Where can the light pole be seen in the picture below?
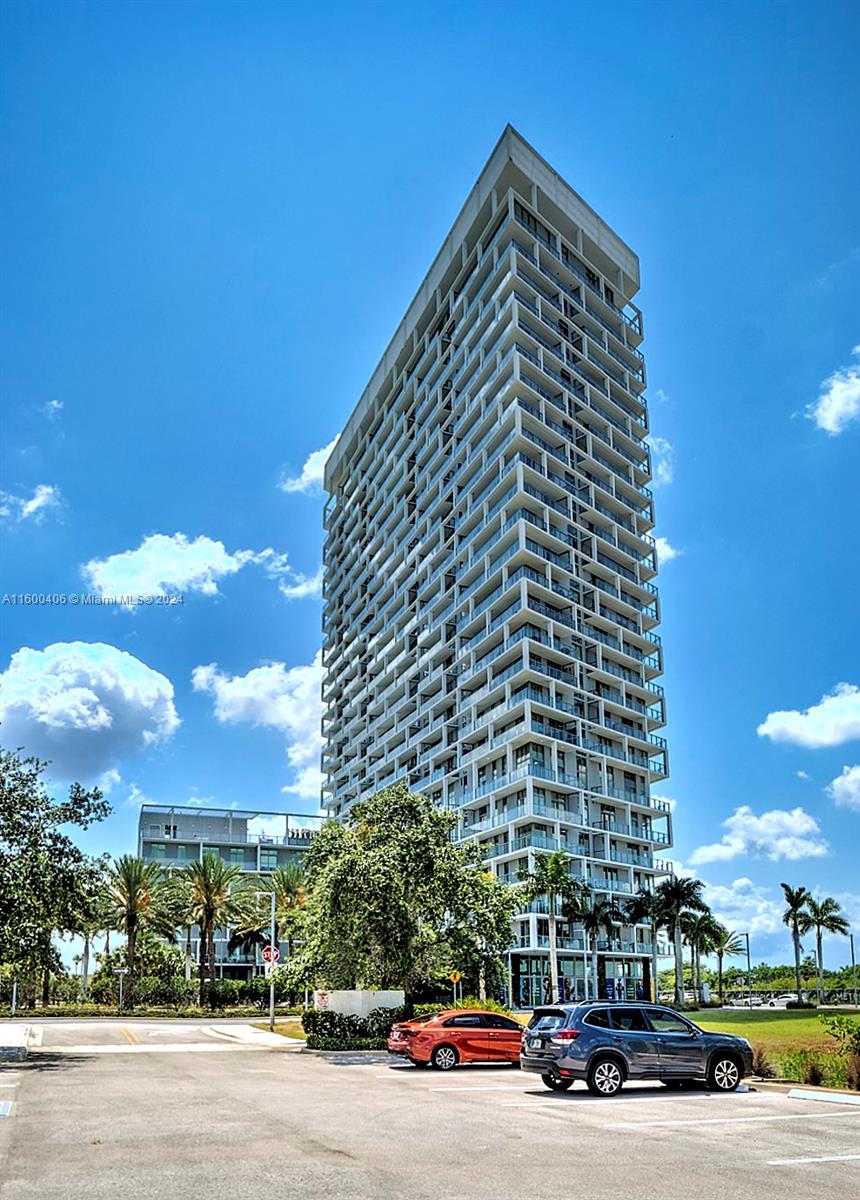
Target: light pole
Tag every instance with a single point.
(853, 969)
(749, 973)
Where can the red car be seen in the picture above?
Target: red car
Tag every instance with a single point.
(457, 1035)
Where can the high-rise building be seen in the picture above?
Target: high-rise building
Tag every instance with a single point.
(256, 842)
(490, 603)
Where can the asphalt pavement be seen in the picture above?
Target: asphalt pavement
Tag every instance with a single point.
(145, 1110)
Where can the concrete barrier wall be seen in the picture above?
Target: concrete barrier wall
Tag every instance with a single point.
(357, 1003)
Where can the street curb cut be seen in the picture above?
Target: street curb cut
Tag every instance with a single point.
(827, 1097)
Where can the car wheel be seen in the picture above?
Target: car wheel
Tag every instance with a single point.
(555, 1084)
(605, 1077)
(445, 1058)
(724, 1074)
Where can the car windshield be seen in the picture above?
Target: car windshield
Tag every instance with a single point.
(548, 1018)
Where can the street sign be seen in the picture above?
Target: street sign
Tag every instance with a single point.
(455, 976)
(271, 954)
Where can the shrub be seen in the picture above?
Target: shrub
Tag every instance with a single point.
(320, 1023)
(761, 1064)
(314, 1042)
(813, 1075)
(221, 993)
(845, 1030)
(852, 1071)
(802, 1004)
(469, 1002)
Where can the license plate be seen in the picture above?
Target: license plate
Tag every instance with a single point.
(534, 1043)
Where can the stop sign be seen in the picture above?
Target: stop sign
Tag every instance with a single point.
(271, 954)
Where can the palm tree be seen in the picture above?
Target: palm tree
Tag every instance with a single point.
(597, 915)
(701, 932)
(796, 900)
(135, 889)
(648, 906)
(679, 896)
(824, 916)
(726, 944)
(551, 878)
(290, 899)
(219, 894)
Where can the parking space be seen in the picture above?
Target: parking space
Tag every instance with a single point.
(365, 1126)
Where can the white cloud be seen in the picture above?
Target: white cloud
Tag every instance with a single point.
(662, 460)
(15, 509)
(833, 720)
(108, 780)
(665, 551)
(778, 834)
(164, 564)
(838, 402)
(84, 706)
(661, 397)
(52, 408)
(745, 906)
(136, 797)
(302, 586)
(279, 697)
(311, 478)
(845, 789)
(803, 775)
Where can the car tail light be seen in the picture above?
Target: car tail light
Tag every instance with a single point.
(565, 1035)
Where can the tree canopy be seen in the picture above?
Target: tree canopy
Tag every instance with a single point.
(47, 884)
(393, 903)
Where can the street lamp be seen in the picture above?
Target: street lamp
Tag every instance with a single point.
(853, 969)
(272, 949)
(749, 973)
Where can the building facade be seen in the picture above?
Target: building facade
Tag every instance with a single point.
(490, 604)
(257, 842)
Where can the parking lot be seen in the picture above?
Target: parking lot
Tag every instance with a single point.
(272, 1119)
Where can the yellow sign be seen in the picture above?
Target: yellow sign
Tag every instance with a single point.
(455, 976)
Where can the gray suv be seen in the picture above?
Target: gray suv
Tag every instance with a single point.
(607, 1043)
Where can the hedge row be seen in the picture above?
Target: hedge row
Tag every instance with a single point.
(341, 1043)
(341, 1027)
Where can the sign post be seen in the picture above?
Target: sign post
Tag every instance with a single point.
(271, 954)
(455, 978)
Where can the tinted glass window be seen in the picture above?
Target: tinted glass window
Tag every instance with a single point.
(470, 1019)
(668, 1022)
(598, 1017)
(629, 1018)
(548, 1018)
(497, 1021)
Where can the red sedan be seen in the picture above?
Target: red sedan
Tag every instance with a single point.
(457, 1035)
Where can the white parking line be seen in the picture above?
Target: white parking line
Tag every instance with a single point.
(815, 1116)
(791, 1162)
(479, 1087)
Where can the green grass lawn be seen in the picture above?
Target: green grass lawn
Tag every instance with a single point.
(290, 1027)
(773, 1028)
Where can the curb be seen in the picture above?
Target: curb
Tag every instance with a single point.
(826, 1096)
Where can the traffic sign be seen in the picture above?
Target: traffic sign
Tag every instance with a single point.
(271, 954)
(455, 976)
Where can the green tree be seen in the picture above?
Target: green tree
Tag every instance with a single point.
(47, 884)
(701, 932)
(551, 879)
(679, 896)
(824, 916)
(219, 894)
(597, 915)
(726, 944)
(137, 892)
(389, 893)
(796, 900)
(648, 906)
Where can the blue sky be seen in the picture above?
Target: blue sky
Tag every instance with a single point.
(215, 216)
